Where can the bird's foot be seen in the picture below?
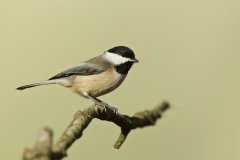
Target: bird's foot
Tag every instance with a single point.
(106, 106)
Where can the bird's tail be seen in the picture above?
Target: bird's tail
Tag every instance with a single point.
(37, 84)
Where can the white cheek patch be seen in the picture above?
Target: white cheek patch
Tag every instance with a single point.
(115, 58)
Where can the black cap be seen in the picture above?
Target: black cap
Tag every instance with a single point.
(123, 51)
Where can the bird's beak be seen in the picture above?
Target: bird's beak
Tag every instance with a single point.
(135, 60)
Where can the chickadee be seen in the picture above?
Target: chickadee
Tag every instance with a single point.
(95, 77)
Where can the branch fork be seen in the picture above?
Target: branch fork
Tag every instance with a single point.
(44, 148)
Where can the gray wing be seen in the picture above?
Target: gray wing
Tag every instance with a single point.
(80, 69)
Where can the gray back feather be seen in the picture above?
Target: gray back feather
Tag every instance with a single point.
(93, 66)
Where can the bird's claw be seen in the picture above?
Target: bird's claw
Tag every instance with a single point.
(115, 110)
(105, 106)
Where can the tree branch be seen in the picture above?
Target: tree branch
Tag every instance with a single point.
(45, 150)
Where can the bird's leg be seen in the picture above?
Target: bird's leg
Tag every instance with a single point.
(105, 105)
(101, 103)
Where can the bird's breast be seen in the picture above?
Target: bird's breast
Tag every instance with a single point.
(99, 84)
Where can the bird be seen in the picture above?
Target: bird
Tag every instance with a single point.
(95, 77)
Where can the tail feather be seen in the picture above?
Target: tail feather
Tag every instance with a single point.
(37, 84)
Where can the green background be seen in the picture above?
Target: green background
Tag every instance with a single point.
(188, 52)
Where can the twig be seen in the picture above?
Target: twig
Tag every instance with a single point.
(44, 150)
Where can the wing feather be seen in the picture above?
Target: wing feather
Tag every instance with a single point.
(80, 69)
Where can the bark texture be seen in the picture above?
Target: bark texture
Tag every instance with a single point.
(44, 148)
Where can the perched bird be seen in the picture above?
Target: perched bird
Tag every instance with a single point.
(95, 77)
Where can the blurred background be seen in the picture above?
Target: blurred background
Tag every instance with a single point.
(189, 56)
